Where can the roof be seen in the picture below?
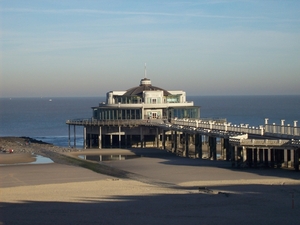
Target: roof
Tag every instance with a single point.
(145, 85)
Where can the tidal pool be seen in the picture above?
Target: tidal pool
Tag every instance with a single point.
(99, 158)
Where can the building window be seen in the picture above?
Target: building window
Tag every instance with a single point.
(128, 114)
(138, 114)
(123, 114)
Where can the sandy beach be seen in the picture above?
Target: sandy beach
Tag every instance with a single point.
(154, 188)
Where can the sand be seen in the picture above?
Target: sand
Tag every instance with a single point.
(157, 188)
(16, 158)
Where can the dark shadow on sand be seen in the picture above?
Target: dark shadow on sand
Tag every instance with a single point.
(248, 205)
(174, 160)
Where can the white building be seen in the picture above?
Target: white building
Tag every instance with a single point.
(145, 102)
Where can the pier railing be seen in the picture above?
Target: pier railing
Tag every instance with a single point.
(94, 122)
(272, 130)
(284, 131)
(213, 125)
(265, 142)
(257, 142)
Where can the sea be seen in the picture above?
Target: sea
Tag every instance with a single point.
(45, 119)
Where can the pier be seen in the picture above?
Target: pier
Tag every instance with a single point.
(149, 116)
(269, 145)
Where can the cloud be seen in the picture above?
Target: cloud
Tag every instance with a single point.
(108, 12)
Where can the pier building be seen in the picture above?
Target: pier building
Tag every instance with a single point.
(128, 118)
(150, 116)
(145, 102)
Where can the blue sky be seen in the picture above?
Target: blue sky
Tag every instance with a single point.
(61, 48)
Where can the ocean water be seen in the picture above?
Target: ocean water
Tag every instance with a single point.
(43, 119)
(250, 110)
(46, 120)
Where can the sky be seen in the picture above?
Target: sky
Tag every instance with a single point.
(76, 48)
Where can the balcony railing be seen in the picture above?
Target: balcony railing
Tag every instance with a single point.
(94, 122)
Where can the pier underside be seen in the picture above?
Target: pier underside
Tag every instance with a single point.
(254, 153)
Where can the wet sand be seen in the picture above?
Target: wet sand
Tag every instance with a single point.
(157, 188)
(6, 158)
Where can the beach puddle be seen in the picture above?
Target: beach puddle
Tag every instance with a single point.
(41, 160)
(18, 159)
(99, 158)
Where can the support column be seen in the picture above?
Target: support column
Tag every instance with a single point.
(187, 145)
(163, 139)
(222, 148)
(179, 140)
(244, 155)
(198, 145)
(69, 135)
(167, 140)
(74, 136)
(84, 137)
(183, 144)
(157, 138)
(171, 141)
(110, 140)
(292, 159)
(227, 149)
(239, 156)
(285, 158)
(100, 137)
(213, 147)
(233, 155)
(141, 137)
(206, 145)
(119, 136)
(296, 159)
(174, 142)
(209, 152)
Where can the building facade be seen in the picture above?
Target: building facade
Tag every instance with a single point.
(145, 102)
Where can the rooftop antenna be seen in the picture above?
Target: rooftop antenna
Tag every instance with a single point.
(145, 71)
